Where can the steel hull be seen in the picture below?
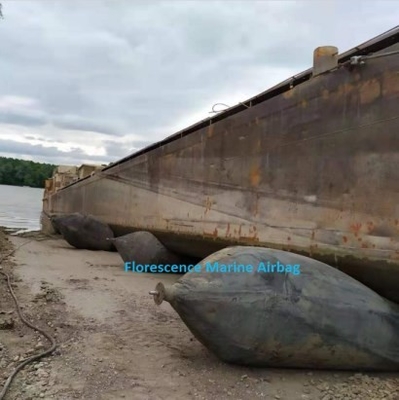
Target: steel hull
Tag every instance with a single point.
(313, 170)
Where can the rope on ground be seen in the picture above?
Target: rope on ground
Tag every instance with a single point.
(45, 334)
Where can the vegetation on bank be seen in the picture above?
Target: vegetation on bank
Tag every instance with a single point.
(24, 173)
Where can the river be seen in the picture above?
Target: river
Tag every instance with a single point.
(20, 207)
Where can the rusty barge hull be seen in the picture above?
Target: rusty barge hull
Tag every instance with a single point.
(310, 166)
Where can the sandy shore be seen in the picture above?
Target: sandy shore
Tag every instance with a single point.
(115, 343)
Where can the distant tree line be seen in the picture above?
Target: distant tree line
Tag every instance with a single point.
(24, 173)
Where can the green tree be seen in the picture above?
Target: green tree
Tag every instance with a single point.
(24, 173)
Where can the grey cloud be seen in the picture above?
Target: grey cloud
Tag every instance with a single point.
(42, 139)
(8, 147)
(21, 119)
(114, 151)
(139, 144)
(119, 150)
(81, 124)
(141, 67)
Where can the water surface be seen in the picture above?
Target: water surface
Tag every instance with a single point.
(20, 207)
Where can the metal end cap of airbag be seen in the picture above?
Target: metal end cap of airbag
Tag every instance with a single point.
(158, 294)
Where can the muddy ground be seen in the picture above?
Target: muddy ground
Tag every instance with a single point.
(115, 343)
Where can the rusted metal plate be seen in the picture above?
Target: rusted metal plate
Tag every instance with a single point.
(313, 170)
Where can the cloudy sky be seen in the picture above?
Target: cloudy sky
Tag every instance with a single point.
(93, 81)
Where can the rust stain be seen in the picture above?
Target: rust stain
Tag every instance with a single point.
(255, 233)
(304, 103)
(288, 238)
(344, 89)
(207, 234)
(345, 239)
(255, 176)
(322, 51)
(348, 88)
(289, 93)
(248, 240)
(390, 84)
(355, 228)
(369, 91)
(325, 94)
(227, 229)
(256, 206)
(213, 234)
(370, 226)
(208, 205)
(312, 236)
(210, 131)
